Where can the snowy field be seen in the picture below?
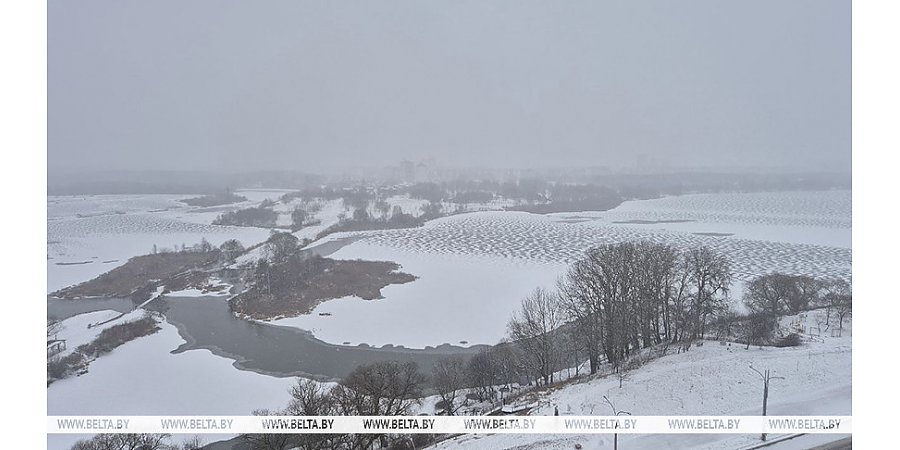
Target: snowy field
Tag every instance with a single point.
(142, 377)
(814, 218)
(475, 268)
(75, 330)
(91, 235)
(708, 380)
(786, 238)
(457, 299)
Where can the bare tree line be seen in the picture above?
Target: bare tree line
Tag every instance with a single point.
(621, 298)
(380, 389)
(135, 441)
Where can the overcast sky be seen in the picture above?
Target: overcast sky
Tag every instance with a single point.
(314, 85)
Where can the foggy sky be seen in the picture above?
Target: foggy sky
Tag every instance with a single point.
(316, 85)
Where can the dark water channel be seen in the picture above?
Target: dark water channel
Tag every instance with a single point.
(207, 323)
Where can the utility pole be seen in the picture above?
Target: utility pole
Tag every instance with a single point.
(615, 413)
(766, 378)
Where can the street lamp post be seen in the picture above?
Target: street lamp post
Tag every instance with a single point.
(616, 413)
(766, 378)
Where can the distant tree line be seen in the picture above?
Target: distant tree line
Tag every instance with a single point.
(361, 220)
(259, 216)
(224, 198)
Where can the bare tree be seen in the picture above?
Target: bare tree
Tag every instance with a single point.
(385, 388)
(532, 327)
(843, 308)
(262, 277)
(768, 294)
(449, 379)
(759, 328)
(808, 292)
(205, 246)
(579, 298)
(311, 398)
(231, 249)
(571, 351)
(838, 299)
(656, 277)
(709, 280)
(605, 287)
(627, 296)
(499, 365)
(483, 374)
(124, 441)
(389, 389)
(280, 246)
(266, 441)
(192, 443)
(778, 293)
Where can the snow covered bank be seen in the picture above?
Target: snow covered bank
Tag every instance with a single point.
(711, 379)
(88, 236)
(142, 377)
(460, 300)
(75, 330)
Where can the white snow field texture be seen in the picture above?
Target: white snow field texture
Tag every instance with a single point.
(475, 268)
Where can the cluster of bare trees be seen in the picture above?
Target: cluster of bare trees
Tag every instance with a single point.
(615, 301)
(133, 441)
(489, 370)
(533, 328)
(450, 379)
(618, 299)
(231, 249)
(777, 294)
(838, 301)
(479, 377)
(381, 389)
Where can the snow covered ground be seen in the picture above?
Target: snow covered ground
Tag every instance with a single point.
(88, 236)
(460, 300)
(708, 380)
(535, 237)
(75, 331)
(143, 377)
(214, 288)
(813, 218)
